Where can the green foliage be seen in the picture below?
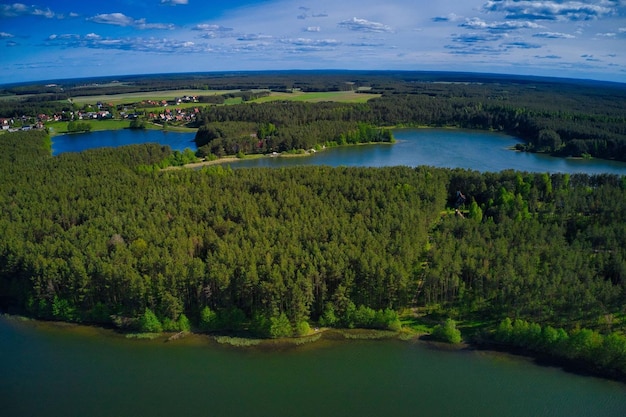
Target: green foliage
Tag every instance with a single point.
(73, 127)
(63, 310)
(137, 124)
(208, 320)
(328, 318)
(279, 326)
(149, 322)
(475, 212)
(447, 332)
(585, 346)
(302, 328)
(184, 325)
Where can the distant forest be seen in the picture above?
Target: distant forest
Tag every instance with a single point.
(560, 117)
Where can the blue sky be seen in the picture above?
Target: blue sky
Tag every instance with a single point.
(67, 39)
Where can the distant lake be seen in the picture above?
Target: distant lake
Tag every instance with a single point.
(60, 371)
(78, 142)
(449, 148)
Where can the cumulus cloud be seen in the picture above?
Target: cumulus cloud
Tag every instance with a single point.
(174, 2)
(363, 25)
(120, 19)
(306, 13)
(155, 45)
(211, 28)
(313, 29)
(211, 31)
(476, 24)
(311, 42)
(19, 9)
(566, 10)
(4, 35)
(553, 35)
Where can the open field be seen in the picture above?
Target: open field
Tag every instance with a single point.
(57, 128)
(127, 98)
(148, 95)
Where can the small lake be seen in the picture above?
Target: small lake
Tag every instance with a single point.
(449, 148)
(56, 370)
(78, 142)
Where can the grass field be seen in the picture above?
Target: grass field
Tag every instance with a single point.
(149, 95)
(338, 96)
(57, 128)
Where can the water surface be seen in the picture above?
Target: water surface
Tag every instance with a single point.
(78, 142)
(68, 371)
(448, 148)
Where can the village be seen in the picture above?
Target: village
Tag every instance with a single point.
(156, 111)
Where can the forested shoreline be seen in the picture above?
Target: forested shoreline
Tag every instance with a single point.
(91, 237)
(597, 131)
(559, 117)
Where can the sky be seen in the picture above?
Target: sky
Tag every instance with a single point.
(48, 40)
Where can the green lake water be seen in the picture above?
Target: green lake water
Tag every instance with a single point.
(51, 370)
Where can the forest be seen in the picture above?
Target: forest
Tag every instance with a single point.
(559, 123)
(556, 116)
(93, 237)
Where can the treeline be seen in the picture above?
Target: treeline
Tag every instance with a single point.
(283, 126)
(598, 130)
(588, 349)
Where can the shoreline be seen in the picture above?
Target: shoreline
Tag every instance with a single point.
(318, 338)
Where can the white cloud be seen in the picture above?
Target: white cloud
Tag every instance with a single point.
(211, 28)
(149, 45)
(566, 10)
(363, 25)
(4, 35)
(19, 9)
(174, 2)
(313, 29)
(476, 23)
(311, 42)
(120, 19)
(553, 35)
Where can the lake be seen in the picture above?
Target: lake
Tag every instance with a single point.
(449, 148)
(78, 142)
(61, 370)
